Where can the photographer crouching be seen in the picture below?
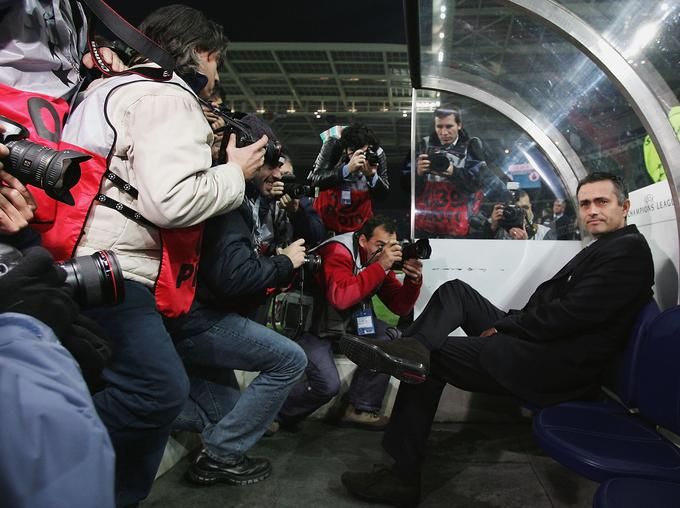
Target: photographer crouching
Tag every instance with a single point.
(219, 335)
(354, 268)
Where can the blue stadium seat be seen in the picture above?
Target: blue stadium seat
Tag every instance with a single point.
(601, 443)
(636, 493)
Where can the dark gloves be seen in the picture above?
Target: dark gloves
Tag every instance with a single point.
(36, 288)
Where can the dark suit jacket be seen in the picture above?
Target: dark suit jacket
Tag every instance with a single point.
(558, 345)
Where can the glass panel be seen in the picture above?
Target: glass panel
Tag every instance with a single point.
(466, 154)
(486, 40)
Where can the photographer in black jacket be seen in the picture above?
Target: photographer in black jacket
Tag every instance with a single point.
(218, 336)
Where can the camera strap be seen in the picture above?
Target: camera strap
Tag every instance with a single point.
(128, 34)
(125, 210)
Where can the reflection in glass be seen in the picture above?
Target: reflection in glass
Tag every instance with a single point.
(466, 155)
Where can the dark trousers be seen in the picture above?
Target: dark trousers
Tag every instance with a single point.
(321, 381)
(146, 389)
(453, 360)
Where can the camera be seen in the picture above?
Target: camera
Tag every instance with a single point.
(513, 215)
(296, 190)
(96, 279)
(372, 157)
(54, 171)
(439, 161)
(312, 262)
(413, 249)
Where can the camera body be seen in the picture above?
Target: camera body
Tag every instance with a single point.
(312, 262)
(372, 157)
(296, 190)
(513, 217)
(54, 171)
(439, 160)
(413, 249)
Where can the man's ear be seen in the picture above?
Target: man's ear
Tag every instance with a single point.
(626, 206)
(363, 241)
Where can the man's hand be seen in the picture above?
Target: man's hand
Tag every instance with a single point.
(250, 158)
(488, 332)
(357, 162)
(289, 204)
(413, 269)
(16, 203)
(295, 252)
(518, 234)
(277, 189)
(390, 254)
(423, 164)
(496, 216)
(109, 56)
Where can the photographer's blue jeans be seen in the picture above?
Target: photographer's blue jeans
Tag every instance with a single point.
(146, 390)
(230, 425)
(321, 382)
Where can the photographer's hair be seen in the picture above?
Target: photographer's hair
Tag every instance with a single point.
(520, 194)
(183, 31)
(598, 176)
(386, 222)
(444, 111)
(357, 136)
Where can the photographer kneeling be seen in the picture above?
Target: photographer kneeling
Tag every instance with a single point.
(355, 266)
(218, 336)
(515, 221)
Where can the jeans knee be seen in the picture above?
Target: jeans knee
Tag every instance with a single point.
(294, 361)
(171, 394)
(326, 388)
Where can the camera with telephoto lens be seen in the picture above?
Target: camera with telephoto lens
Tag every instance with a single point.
(54, 171)
(413, 249)
(312, 262)
(372, 157)
(513, 215)
(96, 279)
(296, 190)
(439, 161)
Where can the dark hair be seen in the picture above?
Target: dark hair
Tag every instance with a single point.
(520, 194)
(377, 220)
(183, 31)
(358, 135)
(444, 111)
(259, 127)
(598, 176)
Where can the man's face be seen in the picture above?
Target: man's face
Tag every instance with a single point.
(208, 63)
(447, 129)
(599, 208)
(378, 239)
(525, 203)
(558, 207)
(265, 178)
(286, 168)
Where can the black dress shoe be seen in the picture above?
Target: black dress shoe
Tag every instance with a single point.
(206, 471)
(404, 358)
(383, 485)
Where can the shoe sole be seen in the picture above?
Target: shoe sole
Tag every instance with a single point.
(201, 478)
(361, 426)
(372, 357)
(404, 502)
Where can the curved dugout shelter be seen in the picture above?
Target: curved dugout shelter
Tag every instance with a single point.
(555, 89)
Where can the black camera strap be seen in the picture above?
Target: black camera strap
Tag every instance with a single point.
(130, 36)
(125, 210)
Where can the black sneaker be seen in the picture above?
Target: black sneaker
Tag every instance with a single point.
(206, 471)
(404, 358)
(383, 485)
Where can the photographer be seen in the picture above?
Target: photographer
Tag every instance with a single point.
(46, 348)
(452, 181)
(217, 336)
(355, 267)
(517, 222)
(150, 195)
(350, 172)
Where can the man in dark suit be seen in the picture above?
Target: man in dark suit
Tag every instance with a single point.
(553, 350)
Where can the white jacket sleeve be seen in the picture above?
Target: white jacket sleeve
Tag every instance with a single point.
(170, 157)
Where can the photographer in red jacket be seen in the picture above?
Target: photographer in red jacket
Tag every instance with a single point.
(354, 267)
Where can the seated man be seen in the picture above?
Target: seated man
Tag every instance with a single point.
(355, 266)
(517, 223)
(217, 336)
(553, 350)
(350, 172)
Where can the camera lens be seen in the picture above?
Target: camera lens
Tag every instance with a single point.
(54, 171)
(97, 279)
